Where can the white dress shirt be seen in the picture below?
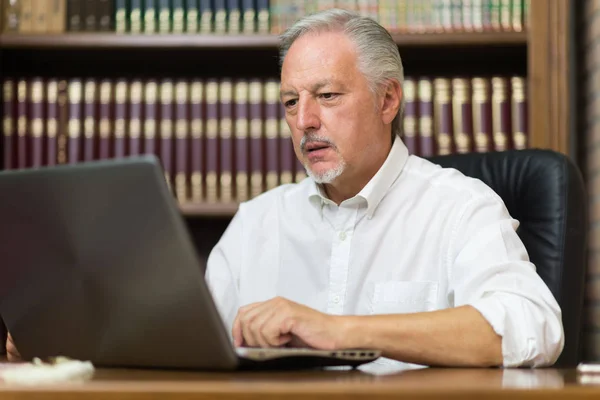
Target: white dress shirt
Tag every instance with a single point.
(416, 238)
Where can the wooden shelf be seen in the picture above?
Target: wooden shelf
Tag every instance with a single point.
(208, 209)
(125, 41)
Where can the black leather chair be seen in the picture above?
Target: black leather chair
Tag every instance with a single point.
(544, 190)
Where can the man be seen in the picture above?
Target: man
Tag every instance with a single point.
(376, 249)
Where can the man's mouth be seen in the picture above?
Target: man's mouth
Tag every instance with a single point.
(313, 147)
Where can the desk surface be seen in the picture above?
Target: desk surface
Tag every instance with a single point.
(430, 383)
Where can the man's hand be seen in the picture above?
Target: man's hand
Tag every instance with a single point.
(278, 322)
(11, 350)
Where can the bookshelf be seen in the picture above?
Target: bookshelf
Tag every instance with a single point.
(169, 41)
(541, 53)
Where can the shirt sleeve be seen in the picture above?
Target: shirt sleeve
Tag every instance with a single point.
(223, 270)
(490, 270)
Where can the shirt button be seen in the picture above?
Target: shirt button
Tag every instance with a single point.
(336, 299)
(342, 236)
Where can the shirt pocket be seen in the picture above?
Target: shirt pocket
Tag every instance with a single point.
(400, 297)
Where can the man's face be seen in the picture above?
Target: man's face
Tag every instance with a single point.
(332, 113)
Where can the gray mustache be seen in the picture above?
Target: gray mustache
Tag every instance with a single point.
(315, 139)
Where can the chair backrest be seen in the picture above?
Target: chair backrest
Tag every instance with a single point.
(544, 190)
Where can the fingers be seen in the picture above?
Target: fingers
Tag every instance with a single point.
(11, 350)
(237, 331)
(262, 324)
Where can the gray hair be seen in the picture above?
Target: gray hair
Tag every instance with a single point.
(378, 56)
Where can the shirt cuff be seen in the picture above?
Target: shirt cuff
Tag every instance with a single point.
(495, 314)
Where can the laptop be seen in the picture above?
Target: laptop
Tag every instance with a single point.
(97, 264)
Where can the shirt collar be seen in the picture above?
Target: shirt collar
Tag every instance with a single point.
(376, 189)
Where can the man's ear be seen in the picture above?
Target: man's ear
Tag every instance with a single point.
(391, 100)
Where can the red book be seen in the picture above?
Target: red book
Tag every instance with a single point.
(22, 124)
(8, 123)
(226, 133)
(212, 139)
(105, 117)
(74, 129)
(52, 122)
(462, 115)
(442, 114)
(182, 136)
(150, 117)
(120, 119)
(256, 137)
(286, 148)
(410, 119)
(89, 120)
(272, 132)
(501, 117)
(427, 145)
(37, 122)
(197, 140)
(166, 129)
(135, 117)
(482, 114)
(242, 187)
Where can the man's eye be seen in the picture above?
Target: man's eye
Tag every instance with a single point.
(290, 103)
(328, 96)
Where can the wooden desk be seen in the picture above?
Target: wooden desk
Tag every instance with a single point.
(421, 384)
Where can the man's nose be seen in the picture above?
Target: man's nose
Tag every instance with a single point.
(308, 115)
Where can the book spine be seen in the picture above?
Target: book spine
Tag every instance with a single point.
(212, 140)
(192, 16)
(74, 130)
(22, 123)
(135, 16)
(220, 10)
(442, 113)
(164, 16)
(271, 132)
(456, 15)
(495, 15)
(482, 114)
(26, 16)
(501, 113)
(121, 16)
(256, 99)
(104, 12)
(286, 148)
(226, 132)
(63, 121)
(75, 15)
(105, 118)
(242, 182)
(150, 117)
(12, 16)
(206, 17)
(467, 15)
(166, 129)
(88, 15)
(234, 17)
(120, 122)
(37, 122)
(477, 14)
(517, 16)
(263, 16)
(197, 137)
(519, 112)
(249, 17)
(409, 122)
(135, 117)
(89, 119)
(40, 16)
(427, 146)
(150, 17)
(178, 16)
(462, 115)
(51, 122)
(182, 136)
(8, 122)
(506, 15)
